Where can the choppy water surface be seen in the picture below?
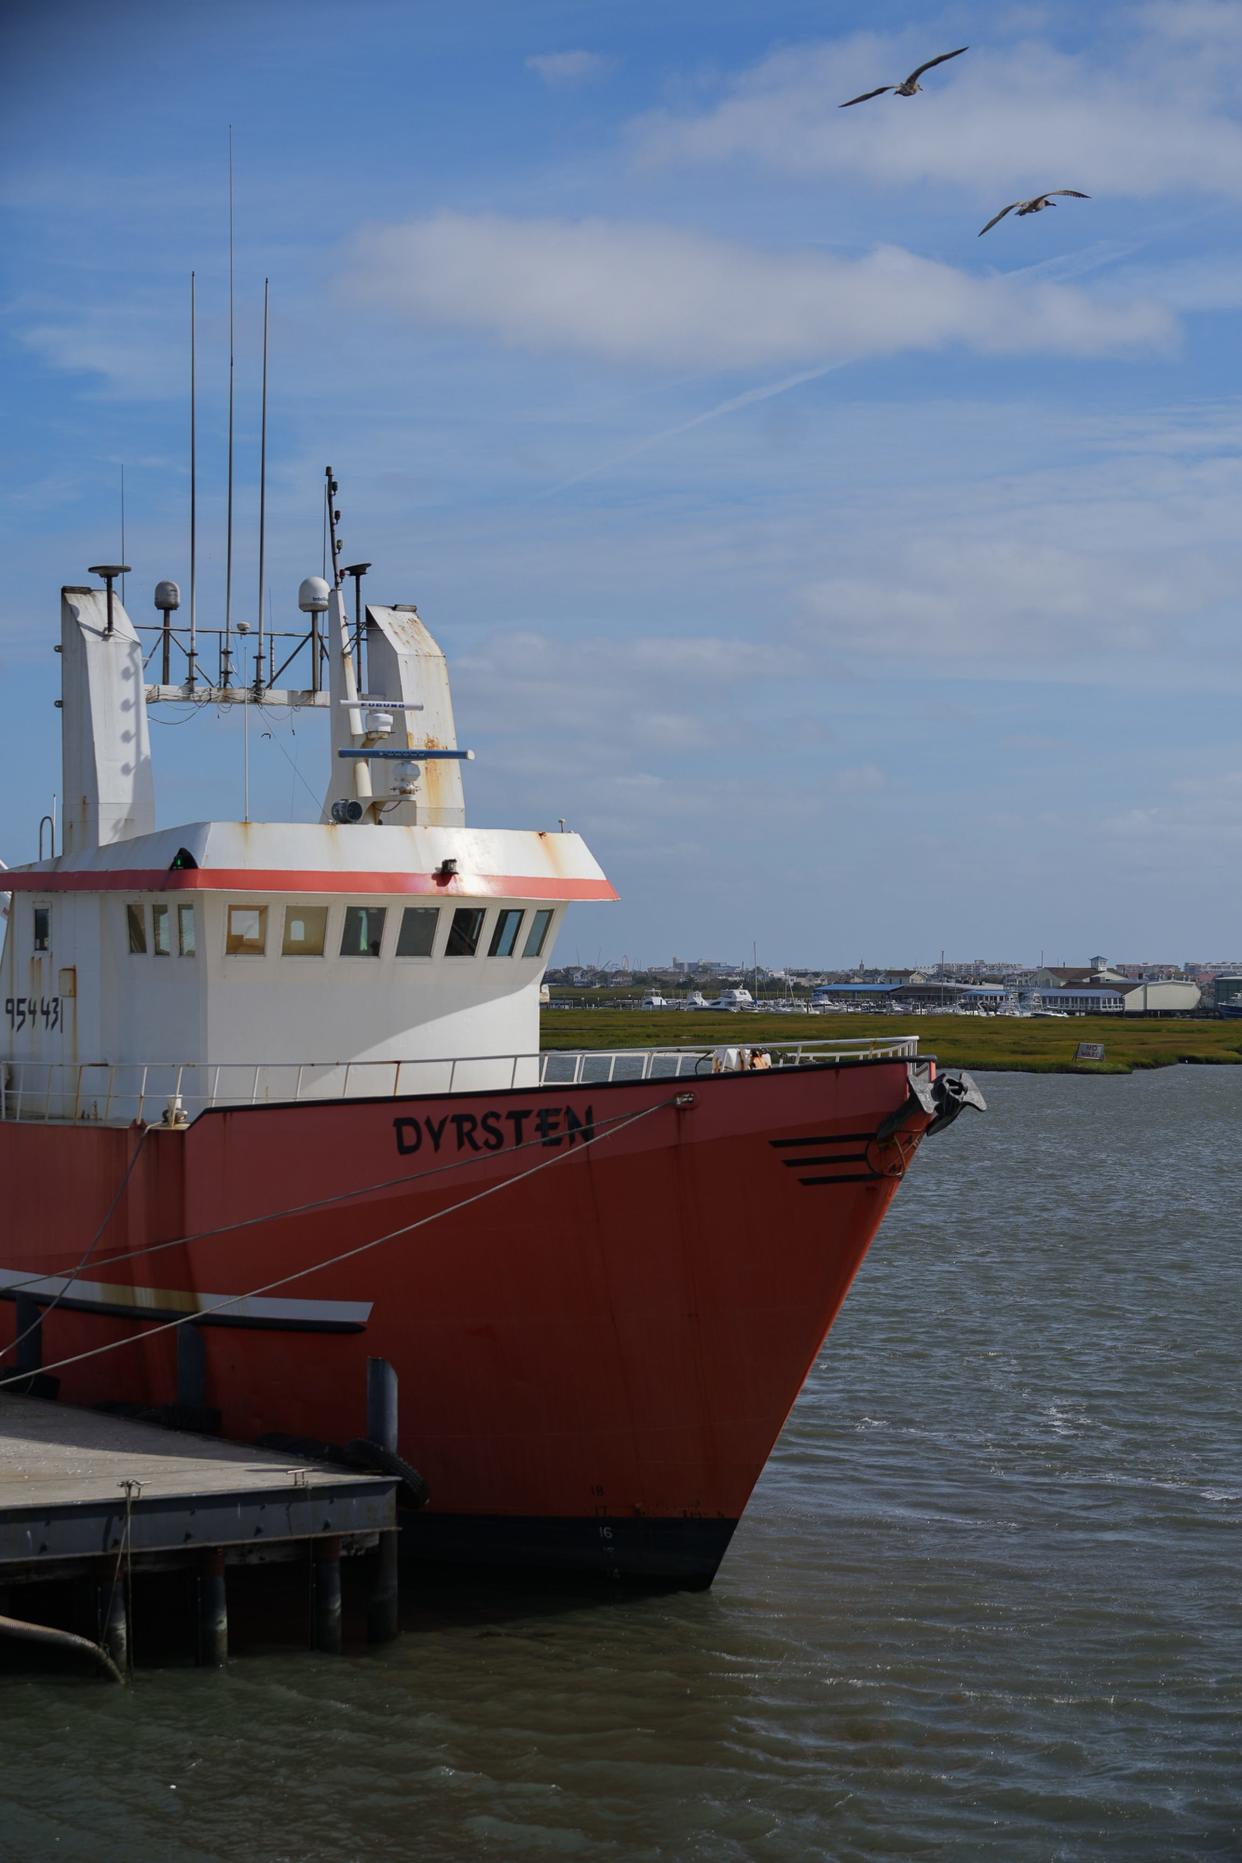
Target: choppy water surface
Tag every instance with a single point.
(987, 1597)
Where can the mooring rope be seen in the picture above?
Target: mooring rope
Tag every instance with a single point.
(597, 1126)
(122, 1556)
(361, 1248)
(85, 1260)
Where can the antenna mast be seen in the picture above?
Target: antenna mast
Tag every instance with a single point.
(333, 519)
(262, 486)
(226, 657)
(193, 654)
(122, 529)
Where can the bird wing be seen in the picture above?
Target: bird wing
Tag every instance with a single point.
(998, 216)
(936, 61)
(864, 97)
(1078, 195)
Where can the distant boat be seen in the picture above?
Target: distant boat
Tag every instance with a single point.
(733, 999)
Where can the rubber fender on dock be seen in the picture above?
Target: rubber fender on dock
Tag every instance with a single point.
(365, 1454)
(356, 1454)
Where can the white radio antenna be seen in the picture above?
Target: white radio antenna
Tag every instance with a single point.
(262, 484)
(193, 498)
(226, 671)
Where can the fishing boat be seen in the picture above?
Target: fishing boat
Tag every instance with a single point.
(273, 1103)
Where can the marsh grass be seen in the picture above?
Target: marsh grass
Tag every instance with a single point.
(988, 1043)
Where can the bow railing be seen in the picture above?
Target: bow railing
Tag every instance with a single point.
(174, 1092)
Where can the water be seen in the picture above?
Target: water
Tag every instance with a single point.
(985, 1602)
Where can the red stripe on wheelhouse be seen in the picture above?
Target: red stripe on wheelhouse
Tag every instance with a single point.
(293, 880)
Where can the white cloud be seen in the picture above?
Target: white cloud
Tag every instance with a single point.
(1001, 121)
(562, 70)
(634, 293)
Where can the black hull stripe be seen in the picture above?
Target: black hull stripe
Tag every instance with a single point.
(823, 1138)
(836, 1157)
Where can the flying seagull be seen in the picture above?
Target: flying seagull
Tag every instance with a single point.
(909, 85)
(1035, 205)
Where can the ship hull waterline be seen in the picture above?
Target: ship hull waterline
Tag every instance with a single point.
(595, 1361)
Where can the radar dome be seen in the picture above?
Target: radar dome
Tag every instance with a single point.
(313, 595)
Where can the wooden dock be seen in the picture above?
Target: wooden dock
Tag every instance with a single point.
(97, 1499)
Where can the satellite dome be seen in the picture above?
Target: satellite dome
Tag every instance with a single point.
(313, 595)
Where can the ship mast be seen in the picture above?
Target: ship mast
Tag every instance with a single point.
(343, 684)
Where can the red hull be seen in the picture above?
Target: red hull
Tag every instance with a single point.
(594, 1363)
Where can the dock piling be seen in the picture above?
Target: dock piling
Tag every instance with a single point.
(328, 1595)
(382, 1429)
(29, 1322)
(213, 1610)
(113, 1615)
(381, 1404)
(191, 1369)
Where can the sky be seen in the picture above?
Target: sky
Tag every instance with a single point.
(860, 588)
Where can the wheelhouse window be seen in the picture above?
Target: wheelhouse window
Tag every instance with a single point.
(187, 937)
(464, 932)
(537, 936)
(306, 930)
(161, 931)
(505, 932)
(247, 931)
(417, 935)
(43, 928)
(136, 922)
(364, 931)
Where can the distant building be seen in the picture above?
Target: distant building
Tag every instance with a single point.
(1070, 976)
(1075, 999)
(1163, 996)
(855, 993)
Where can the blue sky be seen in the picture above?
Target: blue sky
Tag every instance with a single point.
(857, 586)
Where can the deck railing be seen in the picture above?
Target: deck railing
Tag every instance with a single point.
(117, 1093)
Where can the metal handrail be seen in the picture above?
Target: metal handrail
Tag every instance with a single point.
(117, 1093)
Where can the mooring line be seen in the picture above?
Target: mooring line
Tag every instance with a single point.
(122, 1555)
(332, 1261)
(85, 1260)
(599, 1127)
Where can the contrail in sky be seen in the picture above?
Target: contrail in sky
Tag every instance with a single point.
(748, 399)
(1103, 253)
